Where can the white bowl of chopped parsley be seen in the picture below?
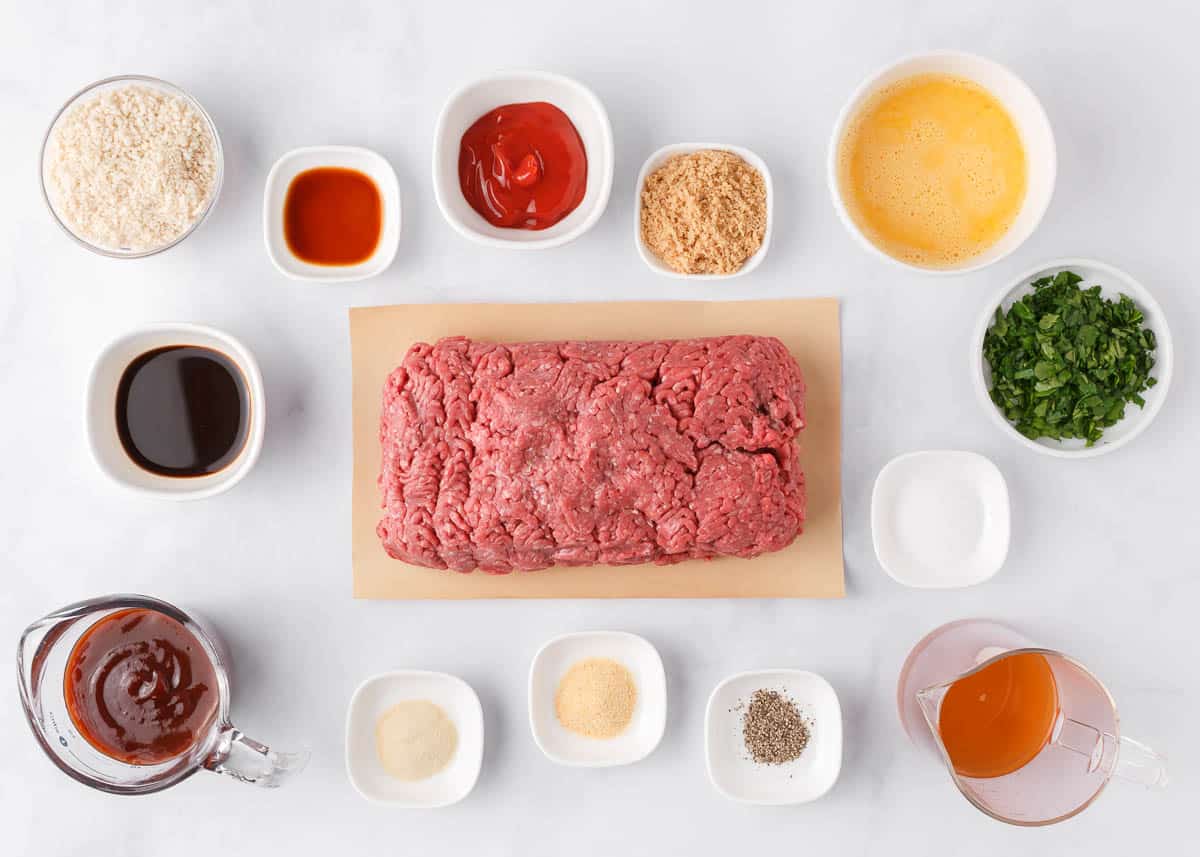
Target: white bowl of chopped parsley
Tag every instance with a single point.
(1073, 359)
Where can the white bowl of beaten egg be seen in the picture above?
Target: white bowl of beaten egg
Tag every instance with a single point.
(942, 163)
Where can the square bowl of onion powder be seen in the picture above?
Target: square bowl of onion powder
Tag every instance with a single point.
(414, 739)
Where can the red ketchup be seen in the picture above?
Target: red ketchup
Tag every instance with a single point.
(523, 166)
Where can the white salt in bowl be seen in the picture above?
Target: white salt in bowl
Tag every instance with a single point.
(94, 90)
(940, 519)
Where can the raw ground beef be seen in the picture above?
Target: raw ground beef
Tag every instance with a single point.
(528, 455)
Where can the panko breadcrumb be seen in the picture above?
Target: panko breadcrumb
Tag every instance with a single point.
(131, 168)
(704, 212)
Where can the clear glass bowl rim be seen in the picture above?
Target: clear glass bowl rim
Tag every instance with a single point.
(166, 86)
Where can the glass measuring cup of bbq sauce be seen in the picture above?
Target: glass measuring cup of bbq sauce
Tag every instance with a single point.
(1028, 735)
(130, 695)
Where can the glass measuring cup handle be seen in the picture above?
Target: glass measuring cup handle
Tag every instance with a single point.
(1124, 758)
(241, 757)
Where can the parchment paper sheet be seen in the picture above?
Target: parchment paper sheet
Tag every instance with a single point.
(810, 568)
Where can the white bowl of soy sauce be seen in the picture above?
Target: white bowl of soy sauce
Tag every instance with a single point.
(176, 411)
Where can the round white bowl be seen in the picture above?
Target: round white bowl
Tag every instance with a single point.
(375, 167)
(1113, 282)
(93, 90)
(475, 99)
(101, 422)
(649, 721)
(661, 157)
(1026, 112)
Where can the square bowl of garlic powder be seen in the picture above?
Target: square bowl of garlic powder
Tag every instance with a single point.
(597, 699)
(414, 739)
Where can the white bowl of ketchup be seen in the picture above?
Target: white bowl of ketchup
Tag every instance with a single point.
(472, 101)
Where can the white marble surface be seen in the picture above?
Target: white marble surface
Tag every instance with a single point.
(1104, 552)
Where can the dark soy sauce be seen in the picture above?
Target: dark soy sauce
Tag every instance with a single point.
(183, 410)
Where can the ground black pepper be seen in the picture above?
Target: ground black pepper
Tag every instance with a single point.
(773, 729)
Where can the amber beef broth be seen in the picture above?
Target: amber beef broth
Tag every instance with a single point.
(522, 456)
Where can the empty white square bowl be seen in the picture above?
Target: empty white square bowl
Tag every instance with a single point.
(379, 693)
(661, 157)
(940, 519)
(649, 721)
(473, 100)
(730, 767)
(365, 161)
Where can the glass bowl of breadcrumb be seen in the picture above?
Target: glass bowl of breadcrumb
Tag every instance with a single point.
(130, 166)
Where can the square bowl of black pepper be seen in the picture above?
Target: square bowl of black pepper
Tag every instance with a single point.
(773, 737)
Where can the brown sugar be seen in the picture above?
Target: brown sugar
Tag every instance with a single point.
(704, 212)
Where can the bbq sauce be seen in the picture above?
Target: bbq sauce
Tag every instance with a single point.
(183, 410)
(140, 687)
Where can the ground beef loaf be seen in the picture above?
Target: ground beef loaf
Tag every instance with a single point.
(523, 456)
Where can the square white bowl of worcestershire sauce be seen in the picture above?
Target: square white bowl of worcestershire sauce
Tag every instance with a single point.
(372, 700)
(649, 720)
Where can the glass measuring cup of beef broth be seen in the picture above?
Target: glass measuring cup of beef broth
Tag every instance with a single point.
(130, 695)
(176, 411)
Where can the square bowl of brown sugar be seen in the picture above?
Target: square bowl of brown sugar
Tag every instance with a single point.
(704, 211)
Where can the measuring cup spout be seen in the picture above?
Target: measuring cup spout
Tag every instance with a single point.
(929, 698)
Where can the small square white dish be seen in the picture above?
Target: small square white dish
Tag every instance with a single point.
(469, 102)
(940, 519)
(379, 693)
(365, 161)
(649, 721)
(100, 410)
(663, 155)
(1113, 282)
(730, 767)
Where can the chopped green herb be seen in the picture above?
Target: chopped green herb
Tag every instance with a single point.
(1066, 361)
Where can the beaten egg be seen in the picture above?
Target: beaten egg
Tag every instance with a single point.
(932, 170)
